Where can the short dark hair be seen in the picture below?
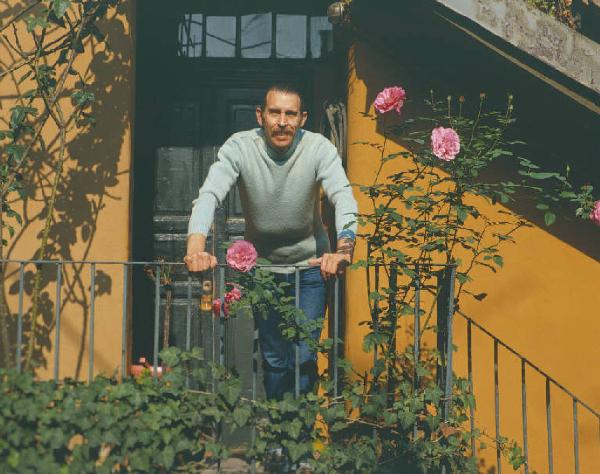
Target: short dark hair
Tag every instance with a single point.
(286, 88)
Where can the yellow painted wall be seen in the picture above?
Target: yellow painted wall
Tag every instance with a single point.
(92, 216)
(543, 304)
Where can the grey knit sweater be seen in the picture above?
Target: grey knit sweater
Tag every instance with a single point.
(279, 194)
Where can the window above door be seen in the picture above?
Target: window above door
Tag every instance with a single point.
(254, 36)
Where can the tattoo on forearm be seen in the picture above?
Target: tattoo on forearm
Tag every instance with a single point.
(345, 246)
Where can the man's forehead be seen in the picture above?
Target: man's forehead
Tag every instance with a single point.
(282, 99)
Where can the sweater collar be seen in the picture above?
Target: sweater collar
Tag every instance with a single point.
(276, 155)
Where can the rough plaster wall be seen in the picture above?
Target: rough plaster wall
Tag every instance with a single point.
(538, 34)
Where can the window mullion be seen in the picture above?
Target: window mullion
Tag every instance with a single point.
(274, 35)
(204, 28)
(238, 36)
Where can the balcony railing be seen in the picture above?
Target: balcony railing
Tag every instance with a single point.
(424, 285)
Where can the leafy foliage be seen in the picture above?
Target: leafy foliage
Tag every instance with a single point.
(159, 425)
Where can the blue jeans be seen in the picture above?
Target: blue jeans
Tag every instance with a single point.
(279, 353)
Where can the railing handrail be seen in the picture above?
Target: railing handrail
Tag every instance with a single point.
(158, 262)
(529, 363)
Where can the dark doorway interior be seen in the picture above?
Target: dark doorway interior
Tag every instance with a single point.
(201, 68)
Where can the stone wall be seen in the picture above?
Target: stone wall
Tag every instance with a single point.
(538, 34)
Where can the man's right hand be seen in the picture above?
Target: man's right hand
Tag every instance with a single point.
(196, 259)
(200, 261)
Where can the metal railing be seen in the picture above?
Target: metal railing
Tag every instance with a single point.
(549, 383)
(217, 324)
(441, 293)
(447, 324)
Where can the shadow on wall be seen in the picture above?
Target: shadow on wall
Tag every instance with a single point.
(90, 172)
(404, 45)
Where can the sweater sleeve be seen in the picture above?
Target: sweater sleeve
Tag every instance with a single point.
(221, 176)
(333, 179)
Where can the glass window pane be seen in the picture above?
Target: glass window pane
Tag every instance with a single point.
(220, 36)
(190, 35)
(256, 36)
(291, 36)
(321, 36)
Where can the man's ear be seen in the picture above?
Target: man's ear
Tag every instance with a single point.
(303, 117)
(259, 117)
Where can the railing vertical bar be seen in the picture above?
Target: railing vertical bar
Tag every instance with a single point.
(255, 346)
(575, 436)
(297, 361)
(157, 276)
(188, 320)
(221, 347)
(124, 322)
(57, 320)
(20, 316)
(336, 334)
(188, 323)
(445, 316)
(449, 343)
(471, 388)
(376, 316)
(497, 408)
(549, 428)
(417, 341)
(92, 318)
(188, 317)
(524, 415)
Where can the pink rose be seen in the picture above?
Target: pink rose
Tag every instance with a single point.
(595, 214)
(241, 256)
(234, 294)
(445, 143)
(389, 99)
(216, 307)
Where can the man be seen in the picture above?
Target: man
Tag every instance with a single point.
(279, 168)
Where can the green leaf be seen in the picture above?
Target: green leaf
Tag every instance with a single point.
(13, 459)
(549, 218)
(406, 418)
(542, 175)
(83, 98)
(168, 455)
(34, 21)
(230, 390)
(294, 428)
(60, 7)
(241, 415)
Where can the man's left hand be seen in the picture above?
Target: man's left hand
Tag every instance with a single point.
(332, 264)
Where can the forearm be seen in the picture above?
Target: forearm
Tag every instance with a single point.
(345, 246)
(196, 243)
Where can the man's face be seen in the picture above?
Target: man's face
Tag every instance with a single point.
(281, 119)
